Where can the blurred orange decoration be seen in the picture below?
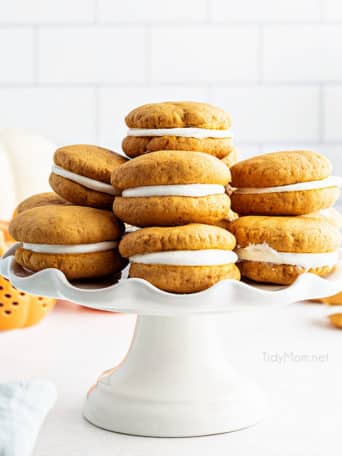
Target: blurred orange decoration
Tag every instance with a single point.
(336, 320)
(18, 309)
(5, 236)
(335, 300)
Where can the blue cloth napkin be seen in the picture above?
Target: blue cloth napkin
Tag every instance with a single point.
(23, 408)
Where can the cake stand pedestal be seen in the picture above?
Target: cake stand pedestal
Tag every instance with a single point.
(175, 380)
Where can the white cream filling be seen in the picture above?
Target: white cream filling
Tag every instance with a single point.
(92, 184)
(65, 249)
(209, 257)
(266, 254)
(194, 190)
(189, 132)
(332, 181)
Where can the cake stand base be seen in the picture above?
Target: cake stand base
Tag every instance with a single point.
(175, 381)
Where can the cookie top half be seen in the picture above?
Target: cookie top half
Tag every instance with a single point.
(287, 234)
(188, 237)
(178, 114)
(280, 168)
(170, 168)
(40, 199)
(88, 160)
(65, 225)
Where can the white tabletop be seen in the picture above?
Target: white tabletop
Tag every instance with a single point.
(72, 346)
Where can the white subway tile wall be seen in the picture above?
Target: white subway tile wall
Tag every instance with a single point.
(72, 69)
(17, 55)
(204, 53)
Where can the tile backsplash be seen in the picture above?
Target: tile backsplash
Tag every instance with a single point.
(72, 69)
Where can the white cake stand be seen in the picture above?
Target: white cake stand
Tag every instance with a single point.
(175, 380)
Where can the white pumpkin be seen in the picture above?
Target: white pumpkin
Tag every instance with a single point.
(25, 163)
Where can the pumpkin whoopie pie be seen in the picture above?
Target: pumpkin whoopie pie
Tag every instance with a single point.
(182, 125)
(182, 259)
(284, 183)
(38, 200)
(171, 188)
(279, 249)
(81, 175)
(80, 241)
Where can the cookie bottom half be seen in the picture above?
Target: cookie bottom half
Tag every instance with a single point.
(77, 194)
(171, 210)
(80, 266)
(183, 279)
(134, 146)
(281, 274)
(284, 203)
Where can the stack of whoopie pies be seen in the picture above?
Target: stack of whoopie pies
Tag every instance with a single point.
(74, 229)
(287, 225)
(181, 190)
(173, 189)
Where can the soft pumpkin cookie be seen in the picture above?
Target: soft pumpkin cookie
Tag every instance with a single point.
(183, 125)
(80, 241)
(81, 174)
(284, 183)
(41, 199)
(182, 259)
(279, 249)
(171, 188)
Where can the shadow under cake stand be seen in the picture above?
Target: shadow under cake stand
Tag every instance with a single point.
(175, 380)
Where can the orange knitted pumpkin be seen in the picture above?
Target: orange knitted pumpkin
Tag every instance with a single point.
(4, 229)
(19, 309)
(2, 243)
(336, 320)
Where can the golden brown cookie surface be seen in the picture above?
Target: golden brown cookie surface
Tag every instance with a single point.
(60, 227)
(179, 278)
(186, 279)
(286, 234)
(280, 168)
(65, 225)
(78, 194)
(178, 115)
(167, 169)
(81, 266)
(281, 274)
(170, 168)
(289, 235)
(134, 146)
(41, 199)
(171, 210)
(90, 161)
(188, 237)
(283, 183)
(91, 168)
(284, 203)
